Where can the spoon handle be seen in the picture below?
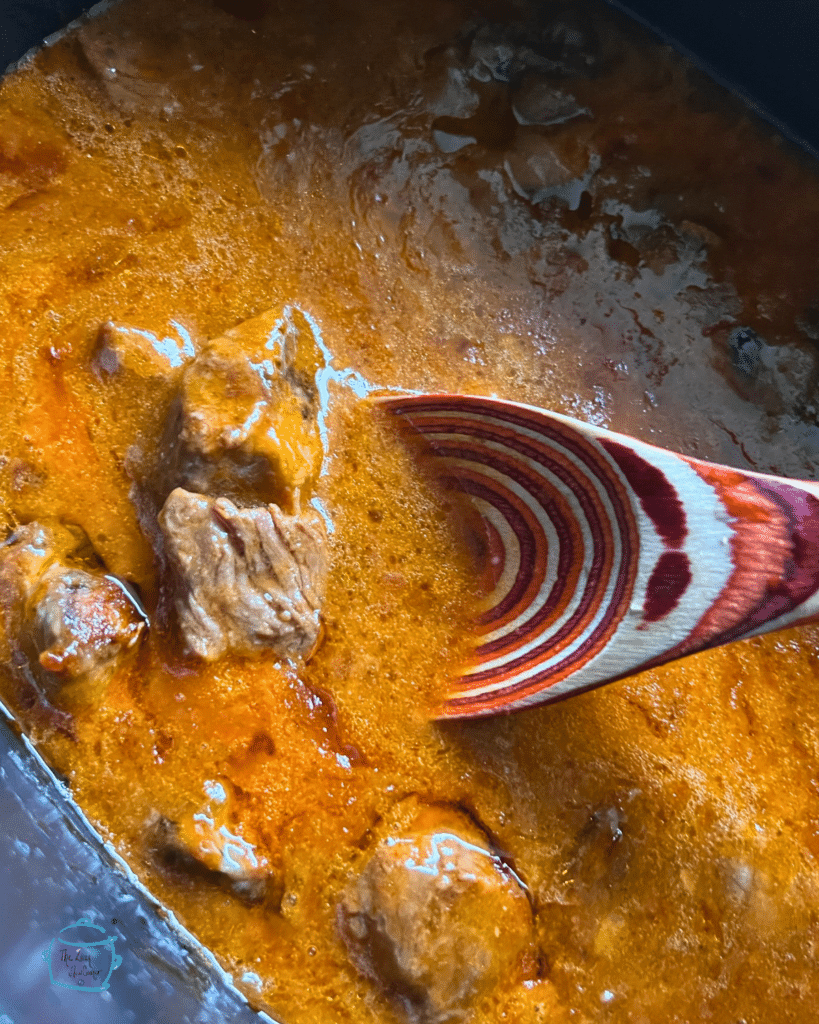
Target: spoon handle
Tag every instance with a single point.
(610, 555)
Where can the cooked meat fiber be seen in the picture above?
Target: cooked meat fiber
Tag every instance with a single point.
(435, 918)
(207, 849)
(246, 579)
(65, 621)
(245, 575)
(122, 348)
(82, 622)
(245, 424)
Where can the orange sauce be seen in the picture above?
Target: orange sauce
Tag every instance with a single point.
(185, 168)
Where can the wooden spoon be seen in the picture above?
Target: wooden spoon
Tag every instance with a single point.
(609, 555)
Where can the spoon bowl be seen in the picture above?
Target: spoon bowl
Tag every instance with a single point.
(609, 555)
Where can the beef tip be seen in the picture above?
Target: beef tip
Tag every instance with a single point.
(538, 102)
(572, 42)
(66, 620)
(208, 848)
(118, 62)
(134, 350)
(435, 917)
(245, 425)
(504, 54)
(82, 622)
(245, 579)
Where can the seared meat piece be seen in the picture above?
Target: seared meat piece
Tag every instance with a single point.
(120, 74)
(141, 352)
(245, 425)
(65, 619)
(205, 848)
(243, 431)
(246, 578)
(82, 622)
(435, 918)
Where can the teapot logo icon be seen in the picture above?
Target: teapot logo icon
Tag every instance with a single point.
(79, 958)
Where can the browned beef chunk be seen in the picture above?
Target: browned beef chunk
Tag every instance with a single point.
(435, 918)
(242, 438)
(141, 353)
(246, 579)
(204, 850)
(65, 620)
(82, 622)
(116, 64)
(245, 424)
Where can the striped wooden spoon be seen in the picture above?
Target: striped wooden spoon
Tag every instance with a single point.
(609, 555)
